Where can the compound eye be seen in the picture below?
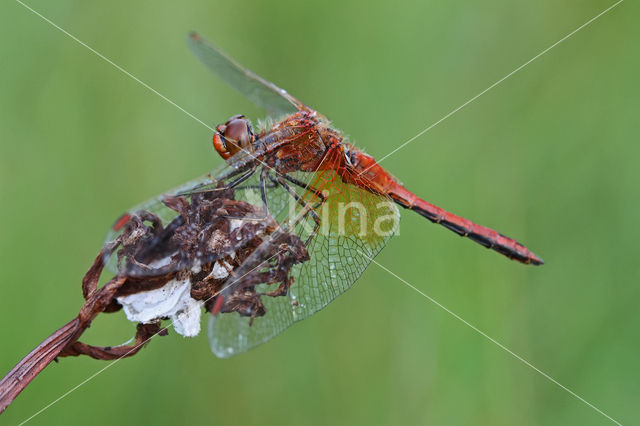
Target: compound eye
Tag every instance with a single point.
(233, 136)
(235, 117)
(220, 144)
(238, 132)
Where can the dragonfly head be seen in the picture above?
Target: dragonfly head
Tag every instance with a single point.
(233, 136)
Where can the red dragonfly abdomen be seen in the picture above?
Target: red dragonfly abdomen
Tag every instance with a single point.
(370, 175)
(464, 227)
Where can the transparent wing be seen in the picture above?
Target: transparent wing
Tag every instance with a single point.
(258, 268)
(274, 100)
(354, 226)
(157, 237)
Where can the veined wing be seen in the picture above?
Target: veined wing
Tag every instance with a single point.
(277, 264)
(144, 234)
(263, 93)
(354, 226)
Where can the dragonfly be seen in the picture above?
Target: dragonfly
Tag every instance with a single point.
(331, 201)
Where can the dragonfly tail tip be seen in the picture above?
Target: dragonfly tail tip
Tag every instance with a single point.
(536, 260)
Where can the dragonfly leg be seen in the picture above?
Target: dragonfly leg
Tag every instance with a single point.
(269, 185)
(241, 179)
(247, 174)
(306, 187)
(263, 197)
(263, 190)
(305, 205)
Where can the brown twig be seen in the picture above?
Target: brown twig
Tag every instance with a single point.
(202, 234)
(64, 342)
(31, 365)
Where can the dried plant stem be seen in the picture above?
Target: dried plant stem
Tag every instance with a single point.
(31, 365)
(202, 234)
(64, 342)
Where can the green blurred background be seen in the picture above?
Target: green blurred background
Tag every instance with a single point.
(550, 157)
